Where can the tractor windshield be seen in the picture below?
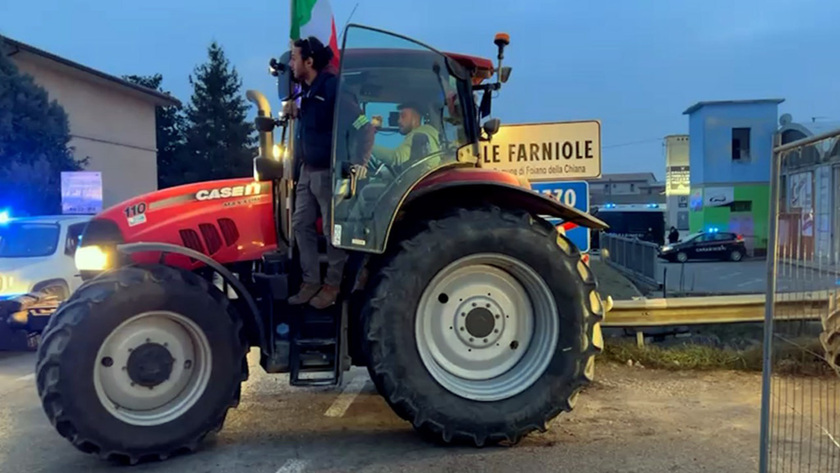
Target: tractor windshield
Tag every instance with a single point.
(414, 99)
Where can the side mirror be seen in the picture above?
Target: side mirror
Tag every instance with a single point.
(504, 74)
(491, 126)
(486, 104)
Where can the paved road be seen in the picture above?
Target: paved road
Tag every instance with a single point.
(632, 420)
(745, 277)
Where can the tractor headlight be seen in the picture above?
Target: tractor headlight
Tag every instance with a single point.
(91, 258)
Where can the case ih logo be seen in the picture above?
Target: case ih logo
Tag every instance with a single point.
(254, 188)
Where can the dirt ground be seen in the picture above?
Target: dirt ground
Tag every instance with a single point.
(657, 411)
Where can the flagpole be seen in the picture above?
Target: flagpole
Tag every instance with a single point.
(288, 171)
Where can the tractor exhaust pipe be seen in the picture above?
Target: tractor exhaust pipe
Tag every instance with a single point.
(264, 123)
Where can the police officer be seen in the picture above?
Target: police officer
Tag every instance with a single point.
(310, 61)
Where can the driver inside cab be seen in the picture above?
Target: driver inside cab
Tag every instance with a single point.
(410, 125)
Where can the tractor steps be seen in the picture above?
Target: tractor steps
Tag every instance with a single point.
(315, 355)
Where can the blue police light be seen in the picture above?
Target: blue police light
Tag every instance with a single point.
(4, 217)
(713, 229)
(653, 206)
(609, 206)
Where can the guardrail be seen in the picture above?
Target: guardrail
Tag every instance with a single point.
(636, 258)
(716, 309)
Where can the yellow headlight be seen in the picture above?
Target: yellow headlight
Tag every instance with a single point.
(91, 258)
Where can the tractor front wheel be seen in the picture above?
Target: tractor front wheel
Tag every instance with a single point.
(483, 327)
(141, 363)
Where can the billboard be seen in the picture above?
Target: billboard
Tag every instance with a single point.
(81, 192)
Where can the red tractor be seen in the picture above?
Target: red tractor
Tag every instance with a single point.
(476, 318)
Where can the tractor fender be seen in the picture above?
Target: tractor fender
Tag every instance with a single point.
(239, 288)
(469, 192)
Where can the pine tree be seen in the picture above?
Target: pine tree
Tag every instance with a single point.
(169, 132)
(220, 143)
(34, 143)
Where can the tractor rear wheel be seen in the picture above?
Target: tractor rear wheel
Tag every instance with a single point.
(483, 327)
(141, 363)
(830, 336)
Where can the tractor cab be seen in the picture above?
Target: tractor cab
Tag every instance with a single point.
(381, 75)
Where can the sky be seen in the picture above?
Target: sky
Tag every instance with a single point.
(634, 65)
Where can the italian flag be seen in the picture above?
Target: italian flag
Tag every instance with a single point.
(315, 18)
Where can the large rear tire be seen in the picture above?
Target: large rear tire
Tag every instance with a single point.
(483, 326)
(142, 363)
(830, 336)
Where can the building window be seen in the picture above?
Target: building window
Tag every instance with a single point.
(632, 187)
(741, 206)
(740, 144)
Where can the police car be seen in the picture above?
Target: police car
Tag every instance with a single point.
(37, 272)
(713, 244)
(36, 254)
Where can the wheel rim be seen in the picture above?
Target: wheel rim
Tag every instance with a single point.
(682, 257)
(487, 327)
(736, 255)
(152, 368)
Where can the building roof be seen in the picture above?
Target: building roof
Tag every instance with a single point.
(154, 96)
(626, 177)
(626, 199)
(700, 105)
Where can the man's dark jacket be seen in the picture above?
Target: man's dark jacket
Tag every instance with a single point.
(313, 137)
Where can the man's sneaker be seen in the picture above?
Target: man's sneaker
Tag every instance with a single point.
(306, 293)
(325, 298)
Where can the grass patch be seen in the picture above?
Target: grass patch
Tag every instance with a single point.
(792, 357)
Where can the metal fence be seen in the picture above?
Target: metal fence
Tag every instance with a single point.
(800, 412)
(635, 257)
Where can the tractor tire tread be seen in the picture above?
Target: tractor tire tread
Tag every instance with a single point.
(399, 261)
(830, 336)
(61, 327)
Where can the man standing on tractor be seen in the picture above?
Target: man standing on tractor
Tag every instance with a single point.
(410, 124)
(309, 63)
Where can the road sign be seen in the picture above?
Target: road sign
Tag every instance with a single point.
(574, 194)
(546, 151)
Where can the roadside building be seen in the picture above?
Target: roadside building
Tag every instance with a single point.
(809, 213)
(639, 188)
(112, 121)
(730, 149)
(677, 182)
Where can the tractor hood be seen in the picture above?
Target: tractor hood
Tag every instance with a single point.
(229, 220)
